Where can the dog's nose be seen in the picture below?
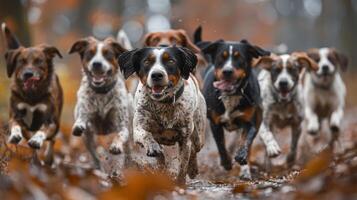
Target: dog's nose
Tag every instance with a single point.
(283, 84)
(325, 69)
(97, 66)
(157, 76)
(27, 74)
(227, 73)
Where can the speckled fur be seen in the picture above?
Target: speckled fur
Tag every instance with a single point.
(186, 116)
(279, 114)
(103, 114)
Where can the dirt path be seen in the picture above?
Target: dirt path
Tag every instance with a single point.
(321, 177)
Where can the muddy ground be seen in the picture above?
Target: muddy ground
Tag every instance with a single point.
(319, 173)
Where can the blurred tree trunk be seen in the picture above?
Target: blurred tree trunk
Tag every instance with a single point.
(14, 14)
(349, 31)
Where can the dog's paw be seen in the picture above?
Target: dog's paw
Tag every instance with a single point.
(335, 129)
(154, 150)
(15, 136)
(116, 148)
(37, 140)
(273, 149)
(78, 129)
(226, 164)
(313, 128)
(242, 156)
(244, 173)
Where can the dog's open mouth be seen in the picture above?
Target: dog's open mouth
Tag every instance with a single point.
(98, 80)
(31, 83)
(224, 85)
(158, 91)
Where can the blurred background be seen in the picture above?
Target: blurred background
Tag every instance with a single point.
(278, 25)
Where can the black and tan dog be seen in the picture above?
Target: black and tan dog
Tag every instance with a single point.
(232, 94)
(36, 94)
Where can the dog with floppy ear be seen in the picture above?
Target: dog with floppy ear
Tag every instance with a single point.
(282, 99)
(103, 103)
(36, 94)
(169, 107)
(232, 94)
(324, 92)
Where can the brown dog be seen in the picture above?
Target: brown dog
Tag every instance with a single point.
(178, 38)
(36, 94)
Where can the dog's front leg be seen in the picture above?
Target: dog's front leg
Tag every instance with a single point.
(91, 146)
(184, 151)
(245, 142)
(81, 116)
(120, 118)
(296, 132)
(272, 147)
(218, 134)
(15, 132)
(119, 141)
(36, 141)
(312, 120)
(335, 123)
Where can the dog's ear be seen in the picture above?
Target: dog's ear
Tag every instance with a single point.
(11, 61)
(305, 61)
(129, 62)
(264, 62)
(187, 41)
(197, 35)
(147, 39)
(118, 49)
(189, 62)
(341, 59)
(50, 51)
(210, 50)
(255, 51)
(313, 54)
(80, 45)
(10, 39)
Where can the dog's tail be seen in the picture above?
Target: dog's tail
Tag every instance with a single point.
(197, 35)
(123, 39)
(10, 39)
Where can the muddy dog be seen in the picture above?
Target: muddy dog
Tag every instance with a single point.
(232, 94)
(169, 107)
(282, 99)
(324, 91)
(103, 102)
(36, 94)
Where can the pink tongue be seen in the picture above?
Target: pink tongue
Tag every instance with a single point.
(222, 85)
(29, 83)
(157, 89)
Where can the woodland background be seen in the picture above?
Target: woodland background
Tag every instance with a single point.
(278, 25)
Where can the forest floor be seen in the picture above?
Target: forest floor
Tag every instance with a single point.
(320, 173)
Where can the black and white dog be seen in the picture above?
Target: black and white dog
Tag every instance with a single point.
(324, 91)
(169, 107)
(232, 94)
(282, 98)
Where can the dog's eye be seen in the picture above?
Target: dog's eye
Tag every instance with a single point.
(146, 62)
(109, 55)
(171, 61)
(89, 54)
(156, 40)
(38, 62)
(22, 61)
